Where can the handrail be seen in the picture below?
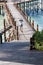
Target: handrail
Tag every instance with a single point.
(22, 1)
(3, 31)
(9, 14)
(24, 15)
(10, 18)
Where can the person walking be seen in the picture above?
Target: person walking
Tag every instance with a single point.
(21, 26)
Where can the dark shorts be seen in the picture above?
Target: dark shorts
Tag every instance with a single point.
(21, 25)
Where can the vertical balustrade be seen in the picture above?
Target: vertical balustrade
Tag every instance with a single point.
(0, 38)
(37, 28)
(0, 10)
(30, 20)
(33, 24)
(15, 24)
(4, 32)
(27, 17)
(17, 34)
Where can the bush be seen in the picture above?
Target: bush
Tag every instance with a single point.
(38, 38)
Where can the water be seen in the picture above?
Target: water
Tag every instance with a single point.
(1, 22)
(38, 18)
(1, 25)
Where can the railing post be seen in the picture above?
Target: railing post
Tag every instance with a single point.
(15, 24)
(33, 24)
(37, 28)
(3, 11)
(24, 6)
(30, 20)
(13, 34)
(17, 4)
(0, 38)
(20, 4)
(27, 18)
(17, 34)
(0, 10)
(5, 32)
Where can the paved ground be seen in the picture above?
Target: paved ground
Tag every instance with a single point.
(19, 54)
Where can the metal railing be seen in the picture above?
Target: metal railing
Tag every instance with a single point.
(28, 19)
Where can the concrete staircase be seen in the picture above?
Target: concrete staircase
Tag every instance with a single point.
(27, 29)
